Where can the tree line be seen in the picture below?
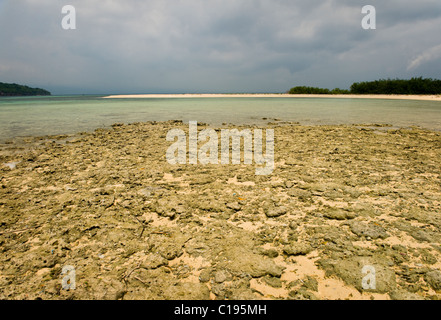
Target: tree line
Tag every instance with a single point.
(13, 89)
(383, 86)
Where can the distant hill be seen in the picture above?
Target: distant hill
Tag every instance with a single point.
(13, 89)
(418, 86)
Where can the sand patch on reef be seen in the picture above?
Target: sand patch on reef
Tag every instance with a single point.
(268, 95)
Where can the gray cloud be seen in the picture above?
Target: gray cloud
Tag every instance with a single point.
(425, 57)
(214, 45)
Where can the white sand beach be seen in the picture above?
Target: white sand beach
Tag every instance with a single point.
(281, 95)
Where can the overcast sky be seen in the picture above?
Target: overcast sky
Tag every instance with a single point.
(179, 46)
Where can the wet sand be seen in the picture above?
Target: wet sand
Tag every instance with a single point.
(281, 95)
(135, 227)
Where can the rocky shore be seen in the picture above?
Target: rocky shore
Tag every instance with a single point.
(135, 227)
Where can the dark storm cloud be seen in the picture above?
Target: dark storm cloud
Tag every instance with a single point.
(215, 45)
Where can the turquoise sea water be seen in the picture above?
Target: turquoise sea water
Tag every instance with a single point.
(35, 116)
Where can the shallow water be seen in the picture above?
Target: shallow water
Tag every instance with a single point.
(35, 116)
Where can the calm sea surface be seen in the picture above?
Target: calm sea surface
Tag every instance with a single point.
(35, 116)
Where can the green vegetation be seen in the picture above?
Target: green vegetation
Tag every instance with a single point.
(13, 89)
(396, 86)
(412, 86)
(313, 90)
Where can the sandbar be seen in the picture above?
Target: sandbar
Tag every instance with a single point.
(275, 95)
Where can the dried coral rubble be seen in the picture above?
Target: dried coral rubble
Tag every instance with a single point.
(136, 227)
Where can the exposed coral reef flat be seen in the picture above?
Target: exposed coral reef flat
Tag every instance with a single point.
(135, 227)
